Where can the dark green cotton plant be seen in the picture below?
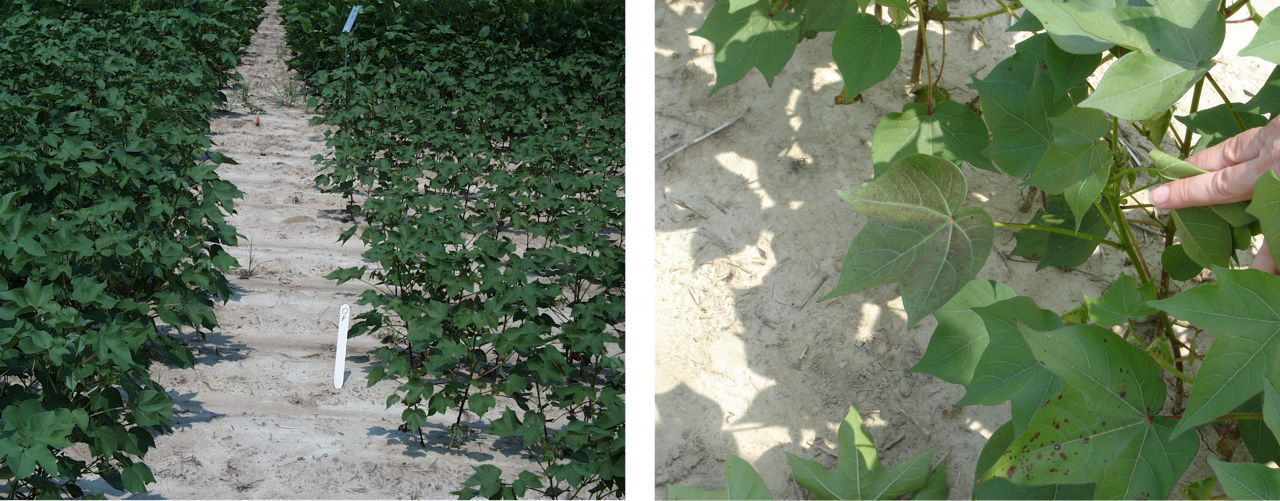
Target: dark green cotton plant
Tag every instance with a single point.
(111, 224)
(479, 144)
(1106, 400)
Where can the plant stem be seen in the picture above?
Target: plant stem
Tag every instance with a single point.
(1233, 8)
(1121, 225)
(978, 17)
(1236, 416)
(1226, 101)
(1060, 231)
(1195, 105)
(921, 50)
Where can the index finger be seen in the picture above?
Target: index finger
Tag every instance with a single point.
(1237, 149)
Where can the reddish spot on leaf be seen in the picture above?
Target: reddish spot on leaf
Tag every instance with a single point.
(1012, 469)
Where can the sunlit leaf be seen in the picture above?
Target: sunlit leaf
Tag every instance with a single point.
(1139, 86)
(1266, 42)
(1102, 428)
(1247, 480)
(1241, 310)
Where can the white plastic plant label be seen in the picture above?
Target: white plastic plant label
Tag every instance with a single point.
(339, 363)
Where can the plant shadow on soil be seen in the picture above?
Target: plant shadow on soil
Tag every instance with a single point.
(768, 248)
(437, 439)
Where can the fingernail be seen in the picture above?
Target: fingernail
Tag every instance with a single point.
(1159, 195)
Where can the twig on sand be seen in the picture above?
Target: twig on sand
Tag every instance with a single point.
(682, 147)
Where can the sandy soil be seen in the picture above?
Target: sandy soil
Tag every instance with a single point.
(258, 416)
(750, 234)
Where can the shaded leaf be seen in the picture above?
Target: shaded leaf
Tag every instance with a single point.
(1123, 300)
(1056, 249)
(1008, 370)
(1216, 124)
(826, 15)
(916, 234)
(865, 52)
(960, 337)
(1267, 100)
(741, 482)
(1205, 236)
(1018, 99)
(1266, 207)
(952, 131)
(749, 38)
(1241, 309)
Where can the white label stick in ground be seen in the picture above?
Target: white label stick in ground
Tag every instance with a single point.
(339, 364)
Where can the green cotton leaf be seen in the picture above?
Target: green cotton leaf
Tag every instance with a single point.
(1183, 32)
(1267, 100)
(1271, 409)
(1266, 207)
(1139, 86)
(1241, 309)
(1071, 154)
(1266, 42)
(1008, 370)
(865, 52)
(1205, 236)
(826, 15)
(916, 234)
(1075, 160)
(1056, 249)
(1027, 22)
(1123, 300)
(1068, 70)
(858, 474)
(1102, 428)
(1247, 480)
(935, 487)
(1082, 195)
(1067, 31)
(952, 131)
(1018, 99)
(737, 5)
(752, 37)
(856, 462)
(136, 477)
(480, 403)
(1216, 124)
(960, 338)
(999, 488)
(1254, 433)
(741, 482)
(907, 476)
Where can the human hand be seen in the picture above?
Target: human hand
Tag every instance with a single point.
(1234, 166)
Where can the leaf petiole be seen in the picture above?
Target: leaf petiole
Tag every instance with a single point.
(1061, 231)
